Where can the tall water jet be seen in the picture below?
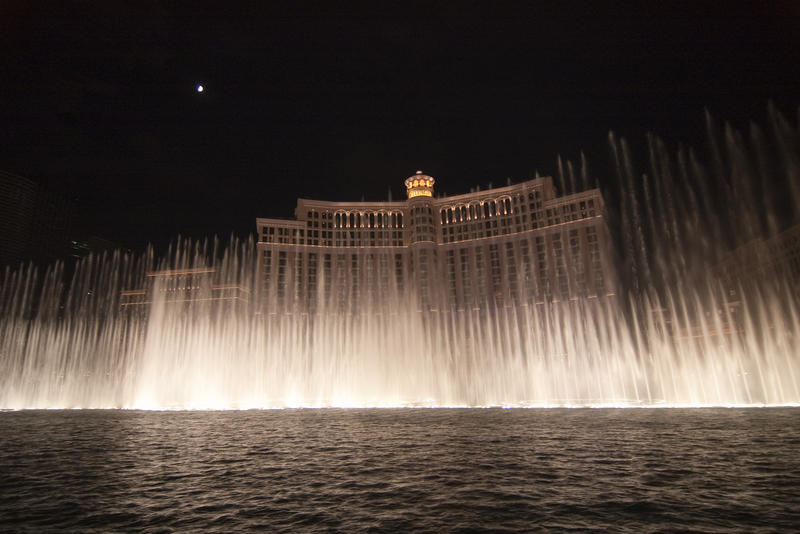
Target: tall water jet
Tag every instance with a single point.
(672, 305)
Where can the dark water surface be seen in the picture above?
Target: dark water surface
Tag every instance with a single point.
(411, 470)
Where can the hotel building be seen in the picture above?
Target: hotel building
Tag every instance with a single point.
(187, 287)
(518, 245)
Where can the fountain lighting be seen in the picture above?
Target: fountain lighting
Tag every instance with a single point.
(694, 321)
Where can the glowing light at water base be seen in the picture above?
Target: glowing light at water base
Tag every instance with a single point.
(218, 354)
(198, 337)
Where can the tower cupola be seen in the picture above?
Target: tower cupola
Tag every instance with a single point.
(419, 185)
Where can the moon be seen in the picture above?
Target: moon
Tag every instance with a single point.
(200, 88)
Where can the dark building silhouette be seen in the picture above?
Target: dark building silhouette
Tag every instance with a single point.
(776, 258)
(18, 196)
(37, 223)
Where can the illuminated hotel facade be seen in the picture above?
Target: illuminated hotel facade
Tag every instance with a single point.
(519, 245)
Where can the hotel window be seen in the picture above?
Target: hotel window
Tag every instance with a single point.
(341, 281)
(466, 284)
(527, 268)
(511, 272)
(326, 275)
(369, 275)
(382, 267)
(494, 263)
(355, 290)
(480, 274)
(398, 271)
(451, 276)
(541, 255)
(561, 268)
(298, 277)
(267, 269)
(281, 274)
(312, 278)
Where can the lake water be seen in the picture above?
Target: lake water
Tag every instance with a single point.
(412, 470)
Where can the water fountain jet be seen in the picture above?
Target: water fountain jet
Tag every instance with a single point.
(686, 329)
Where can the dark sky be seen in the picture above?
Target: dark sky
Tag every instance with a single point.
(340, 103)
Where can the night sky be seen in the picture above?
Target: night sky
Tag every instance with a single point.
(99, 98)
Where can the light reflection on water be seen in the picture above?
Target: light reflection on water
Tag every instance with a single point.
(400, 469)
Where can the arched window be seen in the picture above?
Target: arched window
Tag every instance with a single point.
(486, 210)
(399, 220)
(372, 219)
(352, 220)
(463, 213)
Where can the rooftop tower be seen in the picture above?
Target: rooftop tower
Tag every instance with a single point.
(419, 185)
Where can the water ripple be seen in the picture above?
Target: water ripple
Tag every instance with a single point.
(709, 470)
